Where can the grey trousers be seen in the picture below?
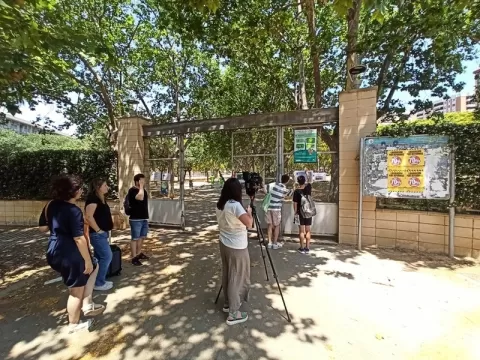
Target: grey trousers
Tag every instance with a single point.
(235, 276)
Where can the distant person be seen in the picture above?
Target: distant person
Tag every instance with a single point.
(304, 225)
(278, 192)
(138, 202)
(233, 220)
(99, 218)
(68, 251)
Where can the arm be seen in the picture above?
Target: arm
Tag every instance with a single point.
(140, 195)
(244, 216)
(76, 226)
(89, 212)
(42, 222)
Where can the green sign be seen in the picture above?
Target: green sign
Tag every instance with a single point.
(305, 147)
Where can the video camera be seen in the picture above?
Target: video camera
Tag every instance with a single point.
(253, 182)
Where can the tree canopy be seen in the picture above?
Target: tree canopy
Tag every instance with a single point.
(184, 60)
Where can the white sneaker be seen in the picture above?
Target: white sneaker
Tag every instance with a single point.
(108, 282)
(277, 246)
(81, 326)
(270, 245)
(105, 287)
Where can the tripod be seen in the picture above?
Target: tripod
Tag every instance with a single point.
(261, 242)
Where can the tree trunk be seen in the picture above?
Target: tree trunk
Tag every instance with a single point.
(353, 19)
(314, 52)
(302, 89)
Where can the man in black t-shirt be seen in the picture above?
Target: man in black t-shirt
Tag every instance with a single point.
(138, 202)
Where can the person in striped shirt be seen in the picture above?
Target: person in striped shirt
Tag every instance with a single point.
(278, 192)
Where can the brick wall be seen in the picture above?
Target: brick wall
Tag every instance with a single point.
(26, 213)
(357, 119)
(421, 231)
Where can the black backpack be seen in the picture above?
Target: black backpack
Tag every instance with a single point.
(126, 204)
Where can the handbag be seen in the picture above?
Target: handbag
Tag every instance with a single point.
(266, 201)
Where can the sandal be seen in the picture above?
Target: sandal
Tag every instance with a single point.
(93, 309)
(233, 319)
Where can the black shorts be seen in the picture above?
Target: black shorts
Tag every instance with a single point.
(305, 222)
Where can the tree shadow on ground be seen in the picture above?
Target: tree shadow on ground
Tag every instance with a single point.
(165, 309)
(162, 310)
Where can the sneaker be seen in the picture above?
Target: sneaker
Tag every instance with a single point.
(136, 262)
(108, 282)
(277, 246)
(270, 245)
(81, 326)
(226, 309)
(142, 256)
(235, 320)
(306, 251)
(93, 309)
(105, 287)
(301, 250)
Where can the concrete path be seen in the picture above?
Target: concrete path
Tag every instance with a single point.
(344, 305)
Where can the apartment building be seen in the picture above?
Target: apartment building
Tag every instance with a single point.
(20, 126)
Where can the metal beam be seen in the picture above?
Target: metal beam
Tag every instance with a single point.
(288, 118)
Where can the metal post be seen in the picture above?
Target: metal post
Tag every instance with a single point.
(451, 212)
(360, 196)
(181, 169)
(280, 164)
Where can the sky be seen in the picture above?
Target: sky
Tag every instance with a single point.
(50, 110)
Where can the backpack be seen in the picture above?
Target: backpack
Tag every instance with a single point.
(126, 204)
(307, 207)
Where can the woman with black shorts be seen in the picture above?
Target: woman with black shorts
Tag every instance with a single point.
(303, 224)
(68, 251)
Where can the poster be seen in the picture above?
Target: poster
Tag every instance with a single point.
(414, 167)
(406, 169)
(305, 146)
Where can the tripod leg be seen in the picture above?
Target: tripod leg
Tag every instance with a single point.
(278, 284)
(219, 291)
(261, 240)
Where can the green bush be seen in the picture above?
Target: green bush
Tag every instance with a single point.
(10, 141)
(28, 174)
(464, 133)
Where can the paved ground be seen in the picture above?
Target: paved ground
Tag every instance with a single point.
(344, 304)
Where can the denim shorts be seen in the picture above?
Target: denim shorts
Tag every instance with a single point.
(138, 229)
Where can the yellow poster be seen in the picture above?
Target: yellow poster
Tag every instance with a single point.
(406, 170)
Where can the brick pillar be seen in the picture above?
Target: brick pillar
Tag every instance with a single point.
(358, 118)
(131, 152)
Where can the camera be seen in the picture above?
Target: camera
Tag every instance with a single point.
(253, 181)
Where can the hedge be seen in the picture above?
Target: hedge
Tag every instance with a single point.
(27, 175)
(464, 132)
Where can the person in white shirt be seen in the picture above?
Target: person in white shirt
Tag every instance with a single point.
(233, 221)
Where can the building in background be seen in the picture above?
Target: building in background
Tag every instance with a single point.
(461, 103)
(21, 126)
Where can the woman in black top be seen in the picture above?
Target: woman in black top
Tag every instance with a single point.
(68, 251)
(304, 231)
(100, 223)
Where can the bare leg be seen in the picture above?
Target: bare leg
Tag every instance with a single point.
(301, 232)
(276, 232)
(308, 236)
(139, 245)
(133, 248)
(269, 233)
(74, 304)
(87, 294)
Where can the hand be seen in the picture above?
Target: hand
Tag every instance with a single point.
(100, 231)
(249, 210)
(141, 183)
(88, 267)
